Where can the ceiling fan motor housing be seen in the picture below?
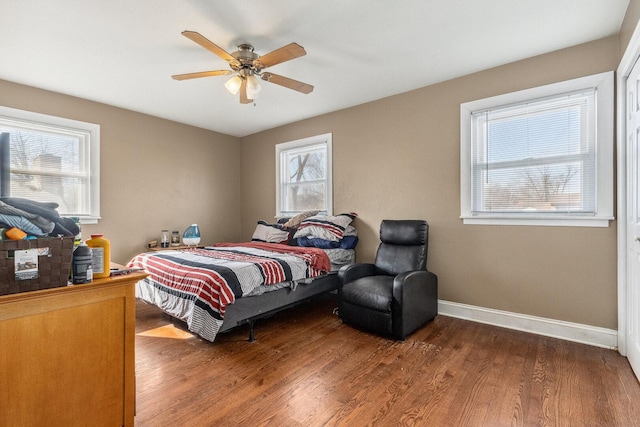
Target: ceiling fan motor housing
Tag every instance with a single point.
(246, 60)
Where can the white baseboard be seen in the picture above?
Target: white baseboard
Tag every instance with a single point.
(576, 332)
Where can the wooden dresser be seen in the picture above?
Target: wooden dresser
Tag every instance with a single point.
(67, 355)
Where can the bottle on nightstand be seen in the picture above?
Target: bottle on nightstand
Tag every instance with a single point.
(164, 239)
(175, 238)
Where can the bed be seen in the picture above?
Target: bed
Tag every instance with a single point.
(217, 288)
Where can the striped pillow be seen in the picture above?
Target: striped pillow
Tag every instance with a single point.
(325, 227)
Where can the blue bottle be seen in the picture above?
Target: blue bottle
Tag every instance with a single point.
(191, 236)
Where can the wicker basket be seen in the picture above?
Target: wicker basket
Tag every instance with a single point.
(54, 264)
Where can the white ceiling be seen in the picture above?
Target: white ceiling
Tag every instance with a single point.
(123, 52)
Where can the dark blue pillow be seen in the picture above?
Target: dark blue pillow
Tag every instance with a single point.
(347, 242)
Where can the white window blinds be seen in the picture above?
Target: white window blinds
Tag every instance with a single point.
(536, 156)
(540, 156)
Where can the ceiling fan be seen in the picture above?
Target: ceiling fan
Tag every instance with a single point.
(247, 64)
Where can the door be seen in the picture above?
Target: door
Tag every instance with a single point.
(633, 218)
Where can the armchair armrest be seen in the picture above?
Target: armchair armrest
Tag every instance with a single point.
(415, 301)
(351, 272)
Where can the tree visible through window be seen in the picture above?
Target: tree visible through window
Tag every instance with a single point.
(536, 157)
(304, 175)
(543, 154)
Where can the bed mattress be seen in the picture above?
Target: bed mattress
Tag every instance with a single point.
(199, 286)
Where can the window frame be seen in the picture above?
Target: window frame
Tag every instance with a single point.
(604, 103)
(282, 149)
(37, 121)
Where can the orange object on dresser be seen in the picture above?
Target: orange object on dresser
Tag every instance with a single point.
(15, 234)
(101, 254)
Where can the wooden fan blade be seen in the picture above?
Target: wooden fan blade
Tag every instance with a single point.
(201, 74)
(243, 93)
(287, 82)
(285, 53)
(209, 45)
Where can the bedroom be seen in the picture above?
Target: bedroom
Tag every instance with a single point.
(406, 148)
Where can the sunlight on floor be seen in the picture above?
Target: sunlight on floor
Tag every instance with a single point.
(167, 331)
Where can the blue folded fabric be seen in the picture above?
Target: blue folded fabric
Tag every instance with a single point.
(21, 223)
(42, 223)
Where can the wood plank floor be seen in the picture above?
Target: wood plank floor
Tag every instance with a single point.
(308, 369)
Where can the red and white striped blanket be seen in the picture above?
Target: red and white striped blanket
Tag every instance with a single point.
(196, 285)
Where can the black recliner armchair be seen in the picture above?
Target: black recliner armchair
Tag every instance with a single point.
(395, 295)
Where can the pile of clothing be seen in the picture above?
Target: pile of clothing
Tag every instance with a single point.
(36, 219)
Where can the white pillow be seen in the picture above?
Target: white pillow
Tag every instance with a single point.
(270, 233)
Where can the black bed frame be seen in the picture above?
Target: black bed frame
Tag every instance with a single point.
(249, 309)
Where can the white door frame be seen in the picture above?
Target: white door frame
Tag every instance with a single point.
(629, 58)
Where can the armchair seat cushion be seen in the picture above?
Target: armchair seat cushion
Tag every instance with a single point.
(373, 292)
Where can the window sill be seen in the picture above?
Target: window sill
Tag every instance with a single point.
(554, 221)
(89, 220)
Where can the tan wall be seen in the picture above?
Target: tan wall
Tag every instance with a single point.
(155, 174)
(399, 157)
(629, 24)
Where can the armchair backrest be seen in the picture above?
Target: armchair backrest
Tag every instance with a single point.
(403, 246)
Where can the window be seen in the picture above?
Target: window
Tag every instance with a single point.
(51, 159)
(541, 156)
(303, 169)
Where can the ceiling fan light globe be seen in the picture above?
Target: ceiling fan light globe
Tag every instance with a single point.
(253, 87)
(233, 84)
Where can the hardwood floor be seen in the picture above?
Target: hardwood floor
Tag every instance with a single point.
(308, 369)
